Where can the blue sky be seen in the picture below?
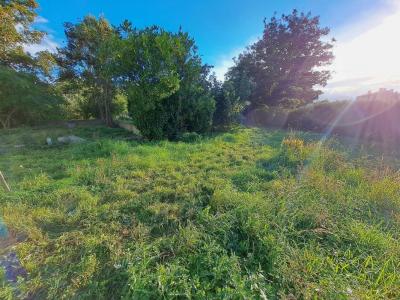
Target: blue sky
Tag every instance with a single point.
(221, 28)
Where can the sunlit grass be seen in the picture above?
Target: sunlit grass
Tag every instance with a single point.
(241, 215)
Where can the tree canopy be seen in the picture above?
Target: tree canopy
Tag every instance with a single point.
(155, 74)
(89, 60)
(285, 66)
(16, 18)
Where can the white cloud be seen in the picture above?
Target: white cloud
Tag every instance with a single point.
(41, 20)
(226, 61)
(48, 42)
(368, 61)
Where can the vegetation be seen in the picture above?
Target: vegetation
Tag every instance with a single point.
(25, 92)
(373, 120)
(228, 107)
(285, 65)
(88, 61)
(245, 214)
(166, 84)
(16, 18)
(24, 98)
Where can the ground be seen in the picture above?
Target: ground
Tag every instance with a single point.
(246, 214)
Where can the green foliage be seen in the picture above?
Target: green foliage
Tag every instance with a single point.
(89, 60)
(247, 214)
(25, 99)
(6, 290)
(190, 137)
(79, 103)
(165, 83)
(16, 17)
(25, 94)
(227, 104)
(284, 66)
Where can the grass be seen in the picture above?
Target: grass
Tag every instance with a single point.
(248, 214)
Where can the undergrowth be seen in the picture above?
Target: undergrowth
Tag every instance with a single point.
(249, 214)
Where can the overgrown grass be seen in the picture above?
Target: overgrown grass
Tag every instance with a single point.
(248, 214)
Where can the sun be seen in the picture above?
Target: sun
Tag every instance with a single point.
(370, 60)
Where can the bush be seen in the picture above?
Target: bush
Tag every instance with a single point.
(168, 92)
(190, 137)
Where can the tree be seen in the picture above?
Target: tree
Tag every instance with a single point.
(16, 18)
(25, 99)
(165, 83)
(89, 58)
(227, 102)
(285, 65)
(25, 93)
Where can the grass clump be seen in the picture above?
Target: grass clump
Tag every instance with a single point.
(246, 214)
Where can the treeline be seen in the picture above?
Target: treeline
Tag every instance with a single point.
(153, 76)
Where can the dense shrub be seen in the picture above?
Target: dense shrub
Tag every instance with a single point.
(166, 84)
(316, 117)
(268, 117)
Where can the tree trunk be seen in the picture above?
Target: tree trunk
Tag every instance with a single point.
(7, 122)
(108, 120)
(107, 100)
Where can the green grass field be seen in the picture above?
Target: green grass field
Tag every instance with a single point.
(248, 214)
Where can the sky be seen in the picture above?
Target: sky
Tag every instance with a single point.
(367, 31)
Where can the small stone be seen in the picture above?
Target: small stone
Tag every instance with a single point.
(76, 139)
(49, 141)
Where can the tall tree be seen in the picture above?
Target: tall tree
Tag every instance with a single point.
(89, 57)
(286, 65)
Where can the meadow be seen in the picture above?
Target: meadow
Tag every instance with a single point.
(247, 214)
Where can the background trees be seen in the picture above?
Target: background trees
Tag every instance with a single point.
(160, 73)
(285, 65)
(155, 75)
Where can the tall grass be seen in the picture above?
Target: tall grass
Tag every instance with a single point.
(242, 215)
